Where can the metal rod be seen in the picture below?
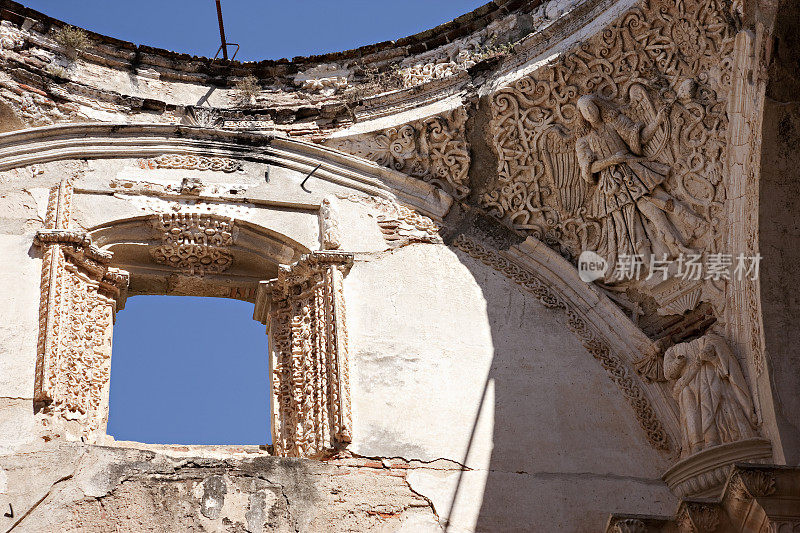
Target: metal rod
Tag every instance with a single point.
(303, 184)
(222, 31)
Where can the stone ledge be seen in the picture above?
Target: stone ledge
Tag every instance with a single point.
(704, 474)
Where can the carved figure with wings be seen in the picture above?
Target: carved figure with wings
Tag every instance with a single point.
(616, 157)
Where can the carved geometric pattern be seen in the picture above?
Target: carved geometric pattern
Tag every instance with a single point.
(433, 149)
(192, 162)
(79, 294)
(613, 365)
(196, 244)
(308, 355)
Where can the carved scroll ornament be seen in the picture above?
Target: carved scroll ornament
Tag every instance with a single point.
(305, 316)
(79, 299)
(191, 162)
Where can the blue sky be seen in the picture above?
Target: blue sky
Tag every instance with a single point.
(265, 29)
(195, 370)
(188, 370)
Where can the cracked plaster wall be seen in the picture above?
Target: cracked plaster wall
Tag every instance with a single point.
(451, 365)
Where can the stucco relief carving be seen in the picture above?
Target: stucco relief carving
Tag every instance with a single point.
(749, 484)
(711, 392)
(196, 244)
(618, 146)
(191, 162)
(331, 235)
(617, 370)
(305, 315)
(627, 205)
(697, 517)
(398, 223)
(79, 298)
(433, 149)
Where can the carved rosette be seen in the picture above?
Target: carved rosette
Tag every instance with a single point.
(194, 243)
(305, 316)
(80, 294)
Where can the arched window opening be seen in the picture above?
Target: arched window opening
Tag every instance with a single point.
(189, 370)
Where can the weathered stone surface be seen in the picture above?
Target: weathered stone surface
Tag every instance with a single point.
(407, 218)
(92, 488)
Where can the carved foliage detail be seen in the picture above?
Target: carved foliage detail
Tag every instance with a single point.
(196, 244)
(629, 525)
(399, 224)
(616, 368)
(747, 484)
(79, 295)
(308, 350)
(433, 149)
(696, 517)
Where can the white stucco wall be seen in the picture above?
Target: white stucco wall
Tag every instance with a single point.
(450, 360)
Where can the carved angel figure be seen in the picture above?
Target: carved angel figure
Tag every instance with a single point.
(615, 158)
(712, 395)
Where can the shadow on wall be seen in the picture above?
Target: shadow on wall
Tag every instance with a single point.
(566, 449)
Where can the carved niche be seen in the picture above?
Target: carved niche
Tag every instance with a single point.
(433, 149)
(304, 311)
(80, 295)
(195, 243)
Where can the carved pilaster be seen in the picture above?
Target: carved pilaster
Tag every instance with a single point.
(80, 295)
(305, 316)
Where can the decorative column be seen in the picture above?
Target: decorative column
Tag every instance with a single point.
(80, 295)
(305, 316)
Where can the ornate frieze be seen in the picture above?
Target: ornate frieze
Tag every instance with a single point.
(305, 316)
(192, 162)
(195, 244)
(79, 299)
(433, 149)
(616, 368)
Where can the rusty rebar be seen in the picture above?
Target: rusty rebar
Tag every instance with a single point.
(224, 44)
